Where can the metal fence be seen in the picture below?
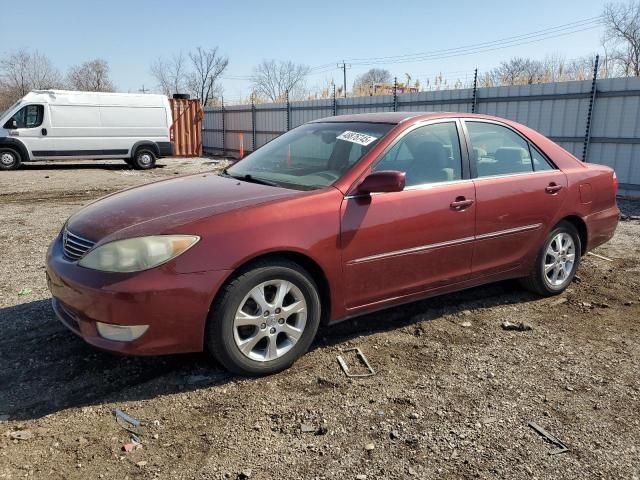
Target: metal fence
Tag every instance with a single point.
(597, 121)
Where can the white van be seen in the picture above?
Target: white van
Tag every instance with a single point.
(58, 124)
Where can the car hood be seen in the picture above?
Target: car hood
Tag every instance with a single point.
(163, 206)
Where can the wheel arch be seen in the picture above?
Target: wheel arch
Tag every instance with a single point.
(305, 261)
(17, 146)
(581, 227)
(145, 143)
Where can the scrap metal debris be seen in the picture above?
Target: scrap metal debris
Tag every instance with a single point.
(520, 327)
(130, 424)
(562, 448)
(599, 256)
(362, 358)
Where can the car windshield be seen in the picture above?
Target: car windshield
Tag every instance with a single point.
(311, 156)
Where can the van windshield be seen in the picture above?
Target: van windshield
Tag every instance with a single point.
(311, 156)
(10, 109)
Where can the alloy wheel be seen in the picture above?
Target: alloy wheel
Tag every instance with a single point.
(270, 320)
(559, 259)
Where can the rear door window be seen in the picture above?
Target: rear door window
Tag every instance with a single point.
(498, 150)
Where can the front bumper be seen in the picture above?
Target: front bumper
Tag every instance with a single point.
(174, 305)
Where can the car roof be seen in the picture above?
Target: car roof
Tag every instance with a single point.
(400, 117)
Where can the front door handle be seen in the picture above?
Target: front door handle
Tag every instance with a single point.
(44, 132)
(460, 203)
(553, 188)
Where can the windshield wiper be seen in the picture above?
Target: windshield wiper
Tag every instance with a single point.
(250, 178)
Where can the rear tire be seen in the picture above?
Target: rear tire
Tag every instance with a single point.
(264, 319)
(143, 159)
(9, 159)
(556, 263)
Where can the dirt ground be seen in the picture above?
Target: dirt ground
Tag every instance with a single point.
(452, 396)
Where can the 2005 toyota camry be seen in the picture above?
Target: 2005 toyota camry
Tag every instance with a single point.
(335, 218)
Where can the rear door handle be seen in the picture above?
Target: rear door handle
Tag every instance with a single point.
(460, 203)
(44, 132)
(553, 188)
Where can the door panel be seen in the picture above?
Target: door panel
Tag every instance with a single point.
(395, 244)
(518, 194)
(512, 216)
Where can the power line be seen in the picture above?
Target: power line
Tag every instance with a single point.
(590, 22)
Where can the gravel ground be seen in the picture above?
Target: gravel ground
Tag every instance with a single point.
(452, 396)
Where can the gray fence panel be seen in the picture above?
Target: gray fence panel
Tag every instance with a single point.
(558, 110)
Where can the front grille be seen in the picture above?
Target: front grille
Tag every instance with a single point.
(75, 246)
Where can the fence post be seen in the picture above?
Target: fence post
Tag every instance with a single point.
(253, 125)
(475, 91)
(592, 101)
(288, 112)
(224, 131)
(335, 103)
(395, 94)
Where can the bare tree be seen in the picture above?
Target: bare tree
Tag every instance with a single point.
(171, 74)
(622, 21)
(23, 71)
(374, 75)
(273, 79)
(207, 66)
(91, 76)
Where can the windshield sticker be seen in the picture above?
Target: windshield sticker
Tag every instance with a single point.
(355, 137)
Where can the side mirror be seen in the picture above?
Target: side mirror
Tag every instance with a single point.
(11, 124)
(384, 181)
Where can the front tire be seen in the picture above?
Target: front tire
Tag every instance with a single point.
(9, 159)
(264, 319)
(557, 262)
(143, 159)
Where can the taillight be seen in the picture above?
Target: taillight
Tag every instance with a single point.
(615, 183)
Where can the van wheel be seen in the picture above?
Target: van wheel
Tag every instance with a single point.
(9, 159)
(144, 159)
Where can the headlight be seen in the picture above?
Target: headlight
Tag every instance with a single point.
(135, 254)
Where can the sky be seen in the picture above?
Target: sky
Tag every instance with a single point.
(131, 34)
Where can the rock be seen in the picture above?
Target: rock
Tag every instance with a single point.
(21, 435)
(587, 305)
(414, 416)
(519, 327)
(141, 463)
(412, 472)
(361, 476)
(155, 436)
(466, 324)
(465, 312)
(369, 447)
(244, 474)
(128, 447)
(307, 428)
(559, 301)
(393, 435)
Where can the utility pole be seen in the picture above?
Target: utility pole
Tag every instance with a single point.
(143, 90)
(344, 67)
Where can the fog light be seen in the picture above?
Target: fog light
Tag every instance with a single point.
(121, 333)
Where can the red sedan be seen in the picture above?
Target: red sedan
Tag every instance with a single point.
(336, 218)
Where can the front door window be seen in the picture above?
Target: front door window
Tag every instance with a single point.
(30, 116)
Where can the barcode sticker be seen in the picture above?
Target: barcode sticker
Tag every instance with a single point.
(355, 137)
